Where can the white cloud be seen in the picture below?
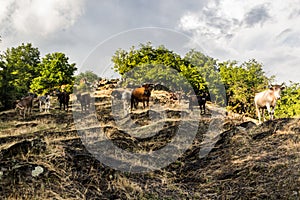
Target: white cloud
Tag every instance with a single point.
(241, 30)
(40, 18)
(4, 9)
(190, 21)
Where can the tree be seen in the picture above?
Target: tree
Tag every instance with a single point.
(156, 64)
(228, 83)
(209, 78)
(19, 66)
(145, 55)
(88, 75)
(289, 103)
(55, 71)
(88, 78)
(241, 84)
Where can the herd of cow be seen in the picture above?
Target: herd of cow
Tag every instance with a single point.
(263, 100)
(25, 104)
(142, 94)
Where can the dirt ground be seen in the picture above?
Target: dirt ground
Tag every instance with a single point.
(55, 155)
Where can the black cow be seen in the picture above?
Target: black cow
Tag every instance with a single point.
(63, 98)
(200, 100)
(84, 99)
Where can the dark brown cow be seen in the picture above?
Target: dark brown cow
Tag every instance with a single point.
(267, 100)
(85, 100)
(63, 98)
(141, 94)
(195, 100)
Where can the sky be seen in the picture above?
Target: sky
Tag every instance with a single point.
(90, 31)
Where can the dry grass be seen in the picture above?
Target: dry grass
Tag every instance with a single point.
(247, 162)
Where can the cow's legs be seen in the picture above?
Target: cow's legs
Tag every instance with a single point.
(258, 113)
(263, 114)
(132, 103)
(147, 103)
(20, 112)
(202, 108)
(40, 103)
(24, 112)
(29, 110)
(271, 112)
(136, 103)
(144, 104)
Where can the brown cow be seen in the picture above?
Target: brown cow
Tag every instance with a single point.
(267, 100)
(141, 94)
(25, 104)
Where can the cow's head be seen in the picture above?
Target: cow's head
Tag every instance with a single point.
(148, 88)
(276, 89)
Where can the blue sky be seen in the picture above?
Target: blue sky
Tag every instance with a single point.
(89, 31)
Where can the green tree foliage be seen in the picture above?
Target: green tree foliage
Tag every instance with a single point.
(125, 61)
(241, 84)
(88, 75)
(227, 83)
(55, 71)
(209, 78)
(159, 64)
(289, 104)
(21, 71)
(19, 66)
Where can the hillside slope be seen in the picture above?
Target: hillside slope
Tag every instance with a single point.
(44, 157)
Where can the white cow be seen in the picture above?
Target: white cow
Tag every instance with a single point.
(46, 101)
(267, 100)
